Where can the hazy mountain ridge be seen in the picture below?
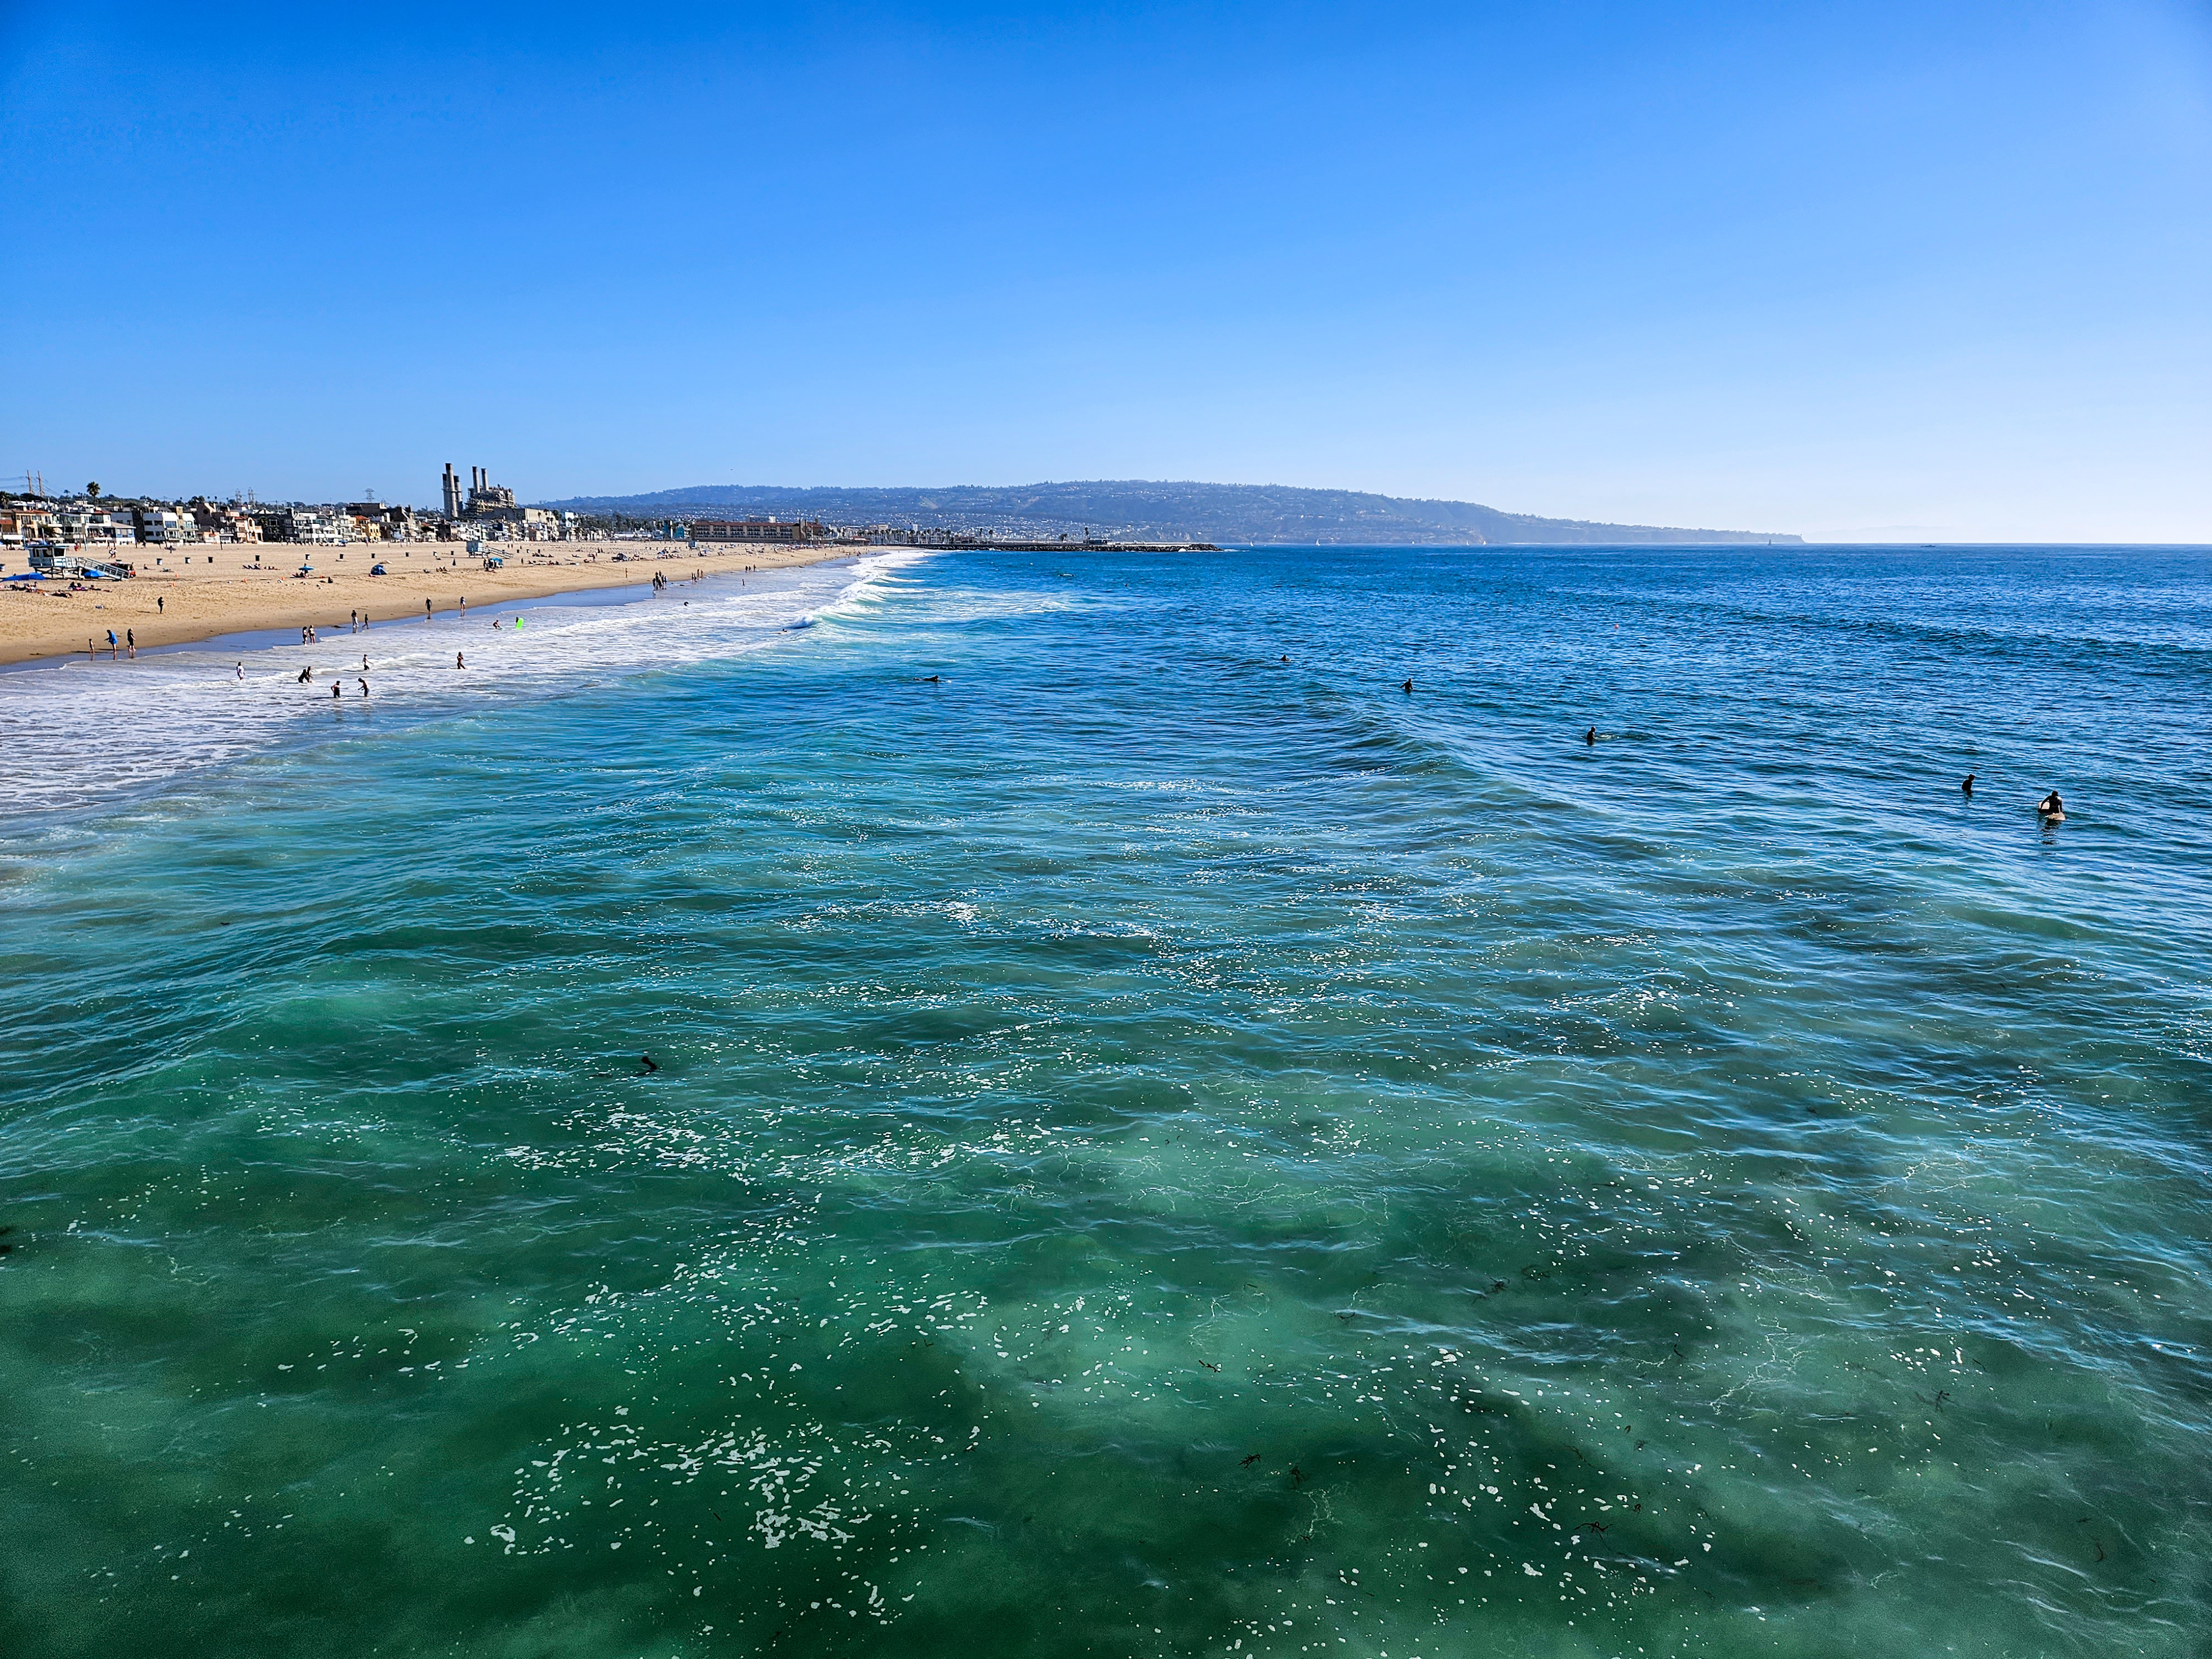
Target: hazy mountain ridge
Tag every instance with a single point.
(1139, 509)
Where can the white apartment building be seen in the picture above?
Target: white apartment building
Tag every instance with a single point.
(165, 526)
(319, 529)
(83, 525)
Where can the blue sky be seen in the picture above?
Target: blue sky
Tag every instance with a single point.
(1918, 270)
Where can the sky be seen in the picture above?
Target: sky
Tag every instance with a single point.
(1920, 271)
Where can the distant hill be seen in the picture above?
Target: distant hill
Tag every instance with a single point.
(1139, 511)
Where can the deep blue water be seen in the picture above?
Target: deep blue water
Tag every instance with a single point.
(1164, 1142)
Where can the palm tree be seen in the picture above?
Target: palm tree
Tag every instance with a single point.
(93, 490)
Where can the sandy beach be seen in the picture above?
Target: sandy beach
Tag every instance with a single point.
(219, 591)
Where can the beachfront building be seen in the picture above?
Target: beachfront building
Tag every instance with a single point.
(24, 526)
(83, 527)
(316, 527)
(223, 524)
(164, 527)
(755, 529)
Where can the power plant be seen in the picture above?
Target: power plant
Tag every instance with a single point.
(487, 500)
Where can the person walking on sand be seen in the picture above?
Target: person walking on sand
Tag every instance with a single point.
(161, 605)
(426, 610)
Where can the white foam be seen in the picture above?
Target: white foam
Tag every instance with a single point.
(76, 732)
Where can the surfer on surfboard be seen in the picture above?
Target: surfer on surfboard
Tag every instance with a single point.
(2051, 806)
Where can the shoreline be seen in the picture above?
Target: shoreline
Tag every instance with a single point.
(204, 603)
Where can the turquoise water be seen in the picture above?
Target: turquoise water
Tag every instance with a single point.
(1157, 1149)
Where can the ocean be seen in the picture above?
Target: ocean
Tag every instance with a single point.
(1164, 1141)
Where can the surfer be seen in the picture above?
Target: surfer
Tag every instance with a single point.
(1967, 788)
(2051, 806)
(650, 1064)
(1407, 688)
(1589, 738)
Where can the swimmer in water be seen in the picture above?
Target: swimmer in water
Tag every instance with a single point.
(337, 691)
(241, 671)
(1407, 688)
(458, 663)
(306, 676)
(2051, 806)
(1967, 788)
(364, 687)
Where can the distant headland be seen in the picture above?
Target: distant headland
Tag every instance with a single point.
(1139, 510)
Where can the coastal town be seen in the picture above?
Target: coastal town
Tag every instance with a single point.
(91, 535)
(138, 572)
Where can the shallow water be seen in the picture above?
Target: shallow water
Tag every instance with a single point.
(1157, 1149)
